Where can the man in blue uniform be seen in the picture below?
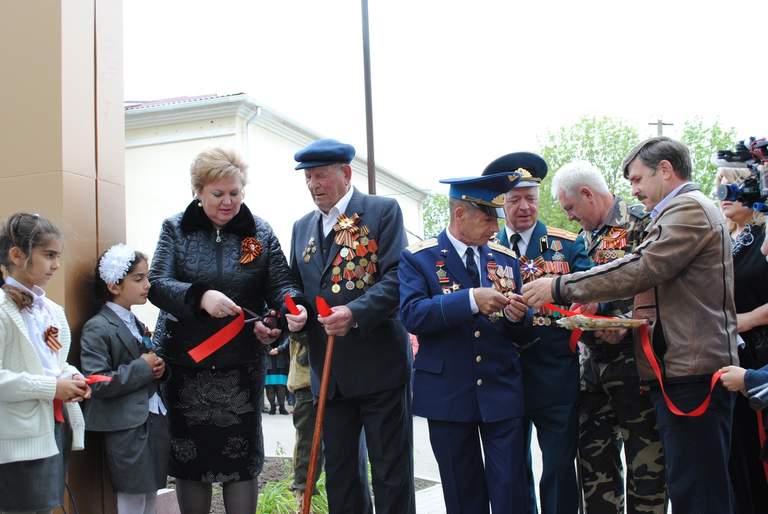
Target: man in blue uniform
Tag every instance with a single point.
(458, 294)
(550, 363)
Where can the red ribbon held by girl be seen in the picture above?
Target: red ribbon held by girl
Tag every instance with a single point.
(58, 405)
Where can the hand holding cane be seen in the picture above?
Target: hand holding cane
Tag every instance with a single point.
(324, 310)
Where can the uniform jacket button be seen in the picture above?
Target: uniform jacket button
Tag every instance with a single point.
(478, 358)
(477, 333)
(479, 381)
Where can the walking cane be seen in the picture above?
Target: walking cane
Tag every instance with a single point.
(324, 310)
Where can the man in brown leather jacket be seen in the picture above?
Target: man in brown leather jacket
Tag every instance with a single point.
(682, 280)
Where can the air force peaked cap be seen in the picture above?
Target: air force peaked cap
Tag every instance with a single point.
(531, 167)
(486, 193)
(324, 152)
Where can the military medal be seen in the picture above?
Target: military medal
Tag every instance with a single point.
(51, 337)
(442, 275)
(347, 230)
(309, 249)
(531, 269)
(556, 245)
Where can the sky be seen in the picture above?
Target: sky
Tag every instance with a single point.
(457, 84)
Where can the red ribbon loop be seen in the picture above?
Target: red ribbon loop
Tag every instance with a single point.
(217, 340)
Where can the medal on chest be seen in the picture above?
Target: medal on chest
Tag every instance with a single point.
(309, 250)
(612, 246)
(531, 269)
(355, 266)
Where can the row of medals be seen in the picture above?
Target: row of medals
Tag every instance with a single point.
(356, 275)
(503, 278)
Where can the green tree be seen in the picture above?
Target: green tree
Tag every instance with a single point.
(435, 214)
(602, 141)
(703, 141)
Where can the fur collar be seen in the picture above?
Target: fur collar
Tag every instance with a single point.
(195, 219)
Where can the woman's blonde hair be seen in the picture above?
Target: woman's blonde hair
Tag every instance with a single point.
(737, 176)
(214, 163)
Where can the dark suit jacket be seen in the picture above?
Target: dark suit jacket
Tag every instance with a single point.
(109, 348)
(550, 368)
(468, 367)
(374, 356)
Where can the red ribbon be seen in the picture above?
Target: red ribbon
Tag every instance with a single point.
(648, 351)
(58, 405)
(645, 343)
(217, 340)
(291, 305)
(322, 307)
(576, 333)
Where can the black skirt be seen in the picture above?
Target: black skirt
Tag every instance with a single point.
(138, 457)
(215, 423)
(32, 485)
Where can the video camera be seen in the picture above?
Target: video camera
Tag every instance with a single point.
(753, 191)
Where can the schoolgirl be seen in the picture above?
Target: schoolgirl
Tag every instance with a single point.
(40, 417)
(128, 410)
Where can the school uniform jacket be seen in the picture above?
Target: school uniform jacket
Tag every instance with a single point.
(108, 348)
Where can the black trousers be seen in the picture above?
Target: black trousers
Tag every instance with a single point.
(386, 420)
(696, 448)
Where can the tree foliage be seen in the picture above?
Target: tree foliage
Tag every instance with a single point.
(435, 214)
(602, 141)
(703, 141)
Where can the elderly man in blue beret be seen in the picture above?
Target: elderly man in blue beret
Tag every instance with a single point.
(347, 251)
(458, 294)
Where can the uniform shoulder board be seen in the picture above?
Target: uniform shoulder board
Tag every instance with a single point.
(563, 234)
(637, 211)
(501, 249)
(422, 245)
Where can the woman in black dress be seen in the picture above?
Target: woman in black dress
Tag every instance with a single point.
(213, 261)
(750, 271)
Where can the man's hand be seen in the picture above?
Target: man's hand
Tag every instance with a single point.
(516, 308)
(489, 300)
(585, 308)
(339, 322)
(297, 322)
(538, 292)
(265, 334)
(611, 335)
(733, 378)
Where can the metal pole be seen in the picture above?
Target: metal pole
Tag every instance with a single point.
(368, 101)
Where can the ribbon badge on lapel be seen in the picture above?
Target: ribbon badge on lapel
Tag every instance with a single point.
(51, 337)
(531, 269)
(250, 249)
(347, 230)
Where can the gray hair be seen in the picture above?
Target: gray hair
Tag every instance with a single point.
(578, 174)
(656, 149)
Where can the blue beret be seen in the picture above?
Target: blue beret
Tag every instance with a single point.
(531, 167)
(486, 193)
(324, 152)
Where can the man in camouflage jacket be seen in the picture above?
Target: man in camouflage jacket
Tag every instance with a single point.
(612, 408)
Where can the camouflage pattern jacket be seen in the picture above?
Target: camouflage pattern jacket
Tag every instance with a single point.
(622, 231)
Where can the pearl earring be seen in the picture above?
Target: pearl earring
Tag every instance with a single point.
(199, 203)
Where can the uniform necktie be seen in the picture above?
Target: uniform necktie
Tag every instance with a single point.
(513, 243)
(472, 267)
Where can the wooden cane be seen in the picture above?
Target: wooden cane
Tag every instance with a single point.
(323, 310)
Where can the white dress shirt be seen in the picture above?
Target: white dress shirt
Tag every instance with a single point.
(156, 405)
(38, 318)
(525, 238)
(461, 249)
(329, 220)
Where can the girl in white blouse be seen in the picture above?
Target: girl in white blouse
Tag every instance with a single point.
(39, 390)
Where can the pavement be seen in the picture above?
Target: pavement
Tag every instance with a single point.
(279, 438)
